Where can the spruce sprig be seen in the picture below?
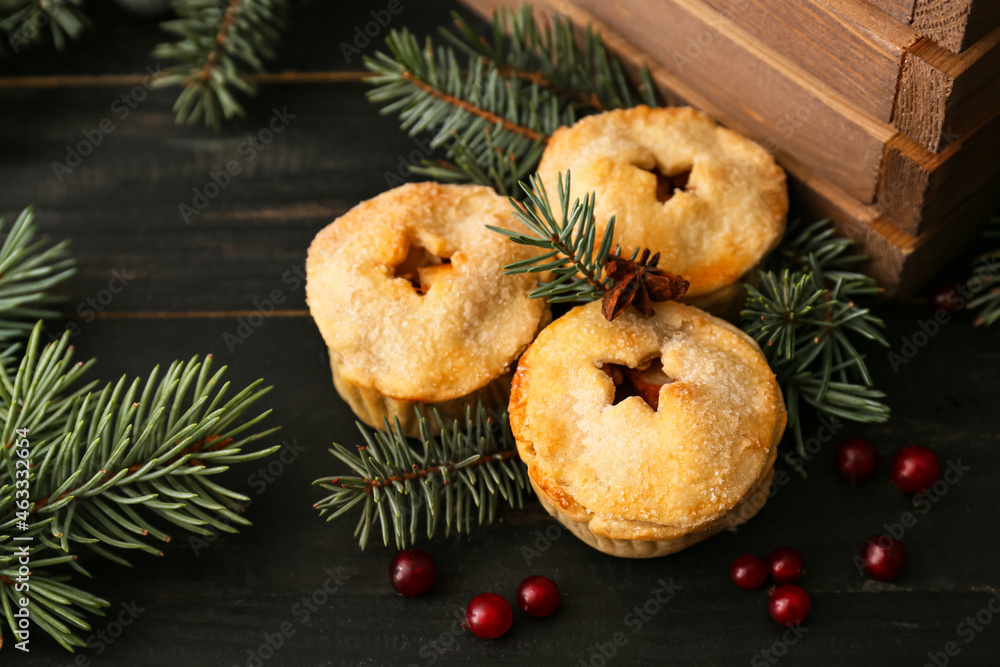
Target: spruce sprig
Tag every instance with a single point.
(491, 107)
(220, 42)
(449, 481)
(807, 318)
(478, 115)
(984, 281)
(579, 70)
(87, 470)
(568, 234)
(26, 22)
(28, 270)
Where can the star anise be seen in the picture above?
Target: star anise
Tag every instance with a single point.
(639, 284)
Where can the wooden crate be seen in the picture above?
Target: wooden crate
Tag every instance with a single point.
(879, 121)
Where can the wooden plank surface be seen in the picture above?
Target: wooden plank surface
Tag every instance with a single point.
(218, 604)
(953, 24)
(943, 96)
(916, 196)
(847, 45)
(956, 24)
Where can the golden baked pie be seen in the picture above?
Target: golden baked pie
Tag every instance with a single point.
(710, 201)
(409, 293)
(645, 436)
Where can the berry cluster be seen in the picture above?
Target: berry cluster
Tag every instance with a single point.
(412, 572)
(913, 469)
(789, 604)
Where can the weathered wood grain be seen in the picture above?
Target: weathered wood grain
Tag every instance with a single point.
(901, 262)
(943, 96)
(846, 44)
(917, 195)
(953, 24)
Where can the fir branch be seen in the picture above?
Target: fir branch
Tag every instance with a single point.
(105, 470)
(220, 41)
(552, 57)
(806, 321)
(985, 282)
(455, 478)
(492, 113)
(474, 113)
(25, 22)
(567, 236)
(109, 467)
(28, 270)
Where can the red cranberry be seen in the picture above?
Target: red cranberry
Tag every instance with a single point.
(489, 616)
(883, 558)
(785, 565)
(915, 469)
(856, 460)
(944, 297)
(748, 572)
(412, 572)
(537, 596)
(789, 605)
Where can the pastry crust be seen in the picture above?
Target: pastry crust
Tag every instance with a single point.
(391, 346)
(731, 214)
(628, 472)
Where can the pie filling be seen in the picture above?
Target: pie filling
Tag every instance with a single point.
(668, 184)
(644, 381)
(412, 267)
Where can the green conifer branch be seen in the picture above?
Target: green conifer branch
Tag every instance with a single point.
(985, 281)
(449, 481)
(579, 70)
(490, 107)
(568, 236)
(220, 42)
(100, 470)
(26, 22)
(807, 318)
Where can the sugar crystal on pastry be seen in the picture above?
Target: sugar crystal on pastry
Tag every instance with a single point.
(409, 294)
(617, 473)
(716, 229)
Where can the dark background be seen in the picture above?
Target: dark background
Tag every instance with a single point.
(212, 604)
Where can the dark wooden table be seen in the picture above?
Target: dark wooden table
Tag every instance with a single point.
(189, 283)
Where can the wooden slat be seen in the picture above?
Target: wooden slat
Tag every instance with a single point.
(953, 24)
(697, 49)
(902, 263)
(942, 95)
(956, 24)
(916, 195)
(847, 44)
